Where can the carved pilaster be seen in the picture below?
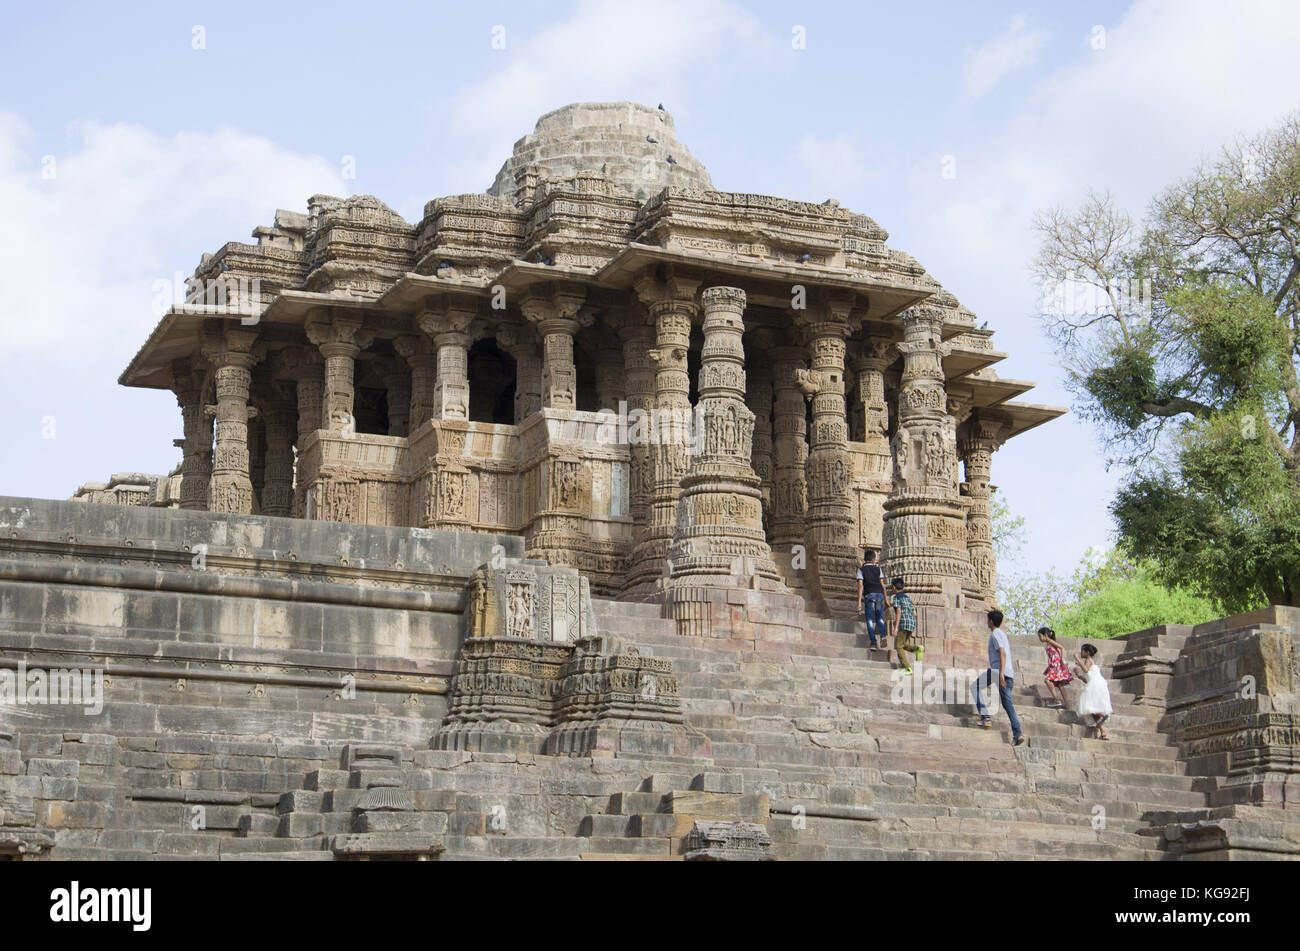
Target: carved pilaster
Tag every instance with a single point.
(639, 379)
(758, 397)
(190, 385)
(611, 382)
(420, 356)
(397, 378)
(520, 341)
(789, 449)
(280, 421)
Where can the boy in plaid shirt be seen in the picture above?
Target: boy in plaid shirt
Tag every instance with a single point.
(902, 624)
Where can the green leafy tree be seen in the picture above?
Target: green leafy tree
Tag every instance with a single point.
(1181, 339)
(1116, 595)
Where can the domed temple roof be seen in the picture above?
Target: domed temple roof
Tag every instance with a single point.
(633, 146)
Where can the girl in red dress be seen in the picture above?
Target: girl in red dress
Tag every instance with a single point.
(1057, 675)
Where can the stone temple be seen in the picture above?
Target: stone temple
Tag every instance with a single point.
(531, 530)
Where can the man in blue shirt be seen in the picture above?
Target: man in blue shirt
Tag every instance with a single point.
(1002, 672)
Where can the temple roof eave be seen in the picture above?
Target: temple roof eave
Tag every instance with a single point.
(1019, 418)
(887, 298)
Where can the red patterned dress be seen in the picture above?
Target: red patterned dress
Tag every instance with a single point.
(1056, 670)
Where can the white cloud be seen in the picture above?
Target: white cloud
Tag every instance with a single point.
(607, 50)
(79, 251)
(1177, 80)
(1014, 49)
(829, 166)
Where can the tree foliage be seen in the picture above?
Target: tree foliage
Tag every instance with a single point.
(1109, 594)
(1186, 355)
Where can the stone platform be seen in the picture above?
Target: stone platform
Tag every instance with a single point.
(278, 689)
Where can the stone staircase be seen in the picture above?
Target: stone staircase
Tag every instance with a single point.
(850, 773)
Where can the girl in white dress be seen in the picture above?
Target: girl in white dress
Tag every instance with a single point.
(1094, 699)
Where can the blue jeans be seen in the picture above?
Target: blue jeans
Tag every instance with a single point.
(873, 610)
(987, 679)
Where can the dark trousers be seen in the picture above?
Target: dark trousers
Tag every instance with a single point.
(987, 679)
(873, 610)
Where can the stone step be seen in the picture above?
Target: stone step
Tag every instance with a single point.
(518, 847)
(627, 857)
(633, 846)
(315, 855)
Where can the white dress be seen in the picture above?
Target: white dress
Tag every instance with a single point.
(1095, 696)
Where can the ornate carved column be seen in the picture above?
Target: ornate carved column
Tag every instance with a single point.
(520, 341)
(189, 385)
(556, 314)
(870, 368)
(639, 379)
(301, 368)
(981, 438)
(790, 449)
(758, 397)
(874, 359)
(925, 534)
(832, 555)
(611, 381)
(280, 420)
(449, 326)
(719, 539)
(309, 380)
(671, 303)
(232, 355)
(421, 358)
(340, 338)
(397, 378)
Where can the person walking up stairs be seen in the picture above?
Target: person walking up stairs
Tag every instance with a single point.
(902, 624)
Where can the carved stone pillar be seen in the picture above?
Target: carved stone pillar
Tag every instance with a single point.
(340, 338)
(233, 357)
(301, 370)
(832, 555)
(279, 418)
(719, 539)
(449, 326)
(925, 531)
(556, 316)
(397, 378)
(189, 384)
(421, 358)
(789, 450)
(875, 357)
(758, 397)
(870, 369)
(611, 381)
(672, 307)
(639, 379)
(520, 341)
(982, 437)
(310, 385)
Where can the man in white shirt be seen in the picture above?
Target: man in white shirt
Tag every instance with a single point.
(1000, 672)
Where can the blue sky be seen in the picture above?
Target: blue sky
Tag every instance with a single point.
(161, 151)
